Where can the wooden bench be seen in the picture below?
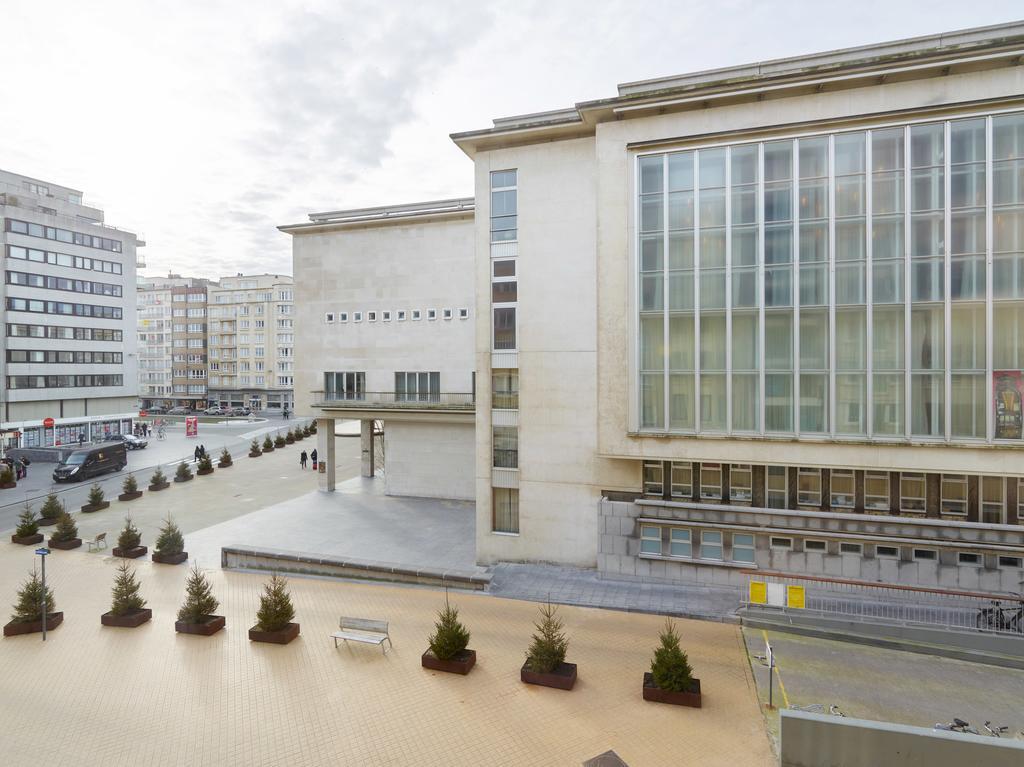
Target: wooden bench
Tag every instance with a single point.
(100, 541)
(362, 630)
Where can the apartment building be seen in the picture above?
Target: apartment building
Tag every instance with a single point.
(765, 318)
(385, 325)
(173, 354)
(69, 362)
(251, 338)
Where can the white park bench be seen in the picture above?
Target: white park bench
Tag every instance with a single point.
(362, 630)
(100, 541)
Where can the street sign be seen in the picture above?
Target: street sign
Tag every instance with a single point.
(43, 551)
(796, 597)
(48, 423)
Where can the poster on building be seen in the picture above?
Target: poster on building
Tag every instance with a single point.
(191, 426)
(1007, 396)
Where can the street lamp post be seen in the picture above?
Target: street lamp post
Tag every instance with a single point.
(42, 552)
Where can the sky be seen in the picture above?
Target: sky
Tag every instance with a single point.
(205, 125)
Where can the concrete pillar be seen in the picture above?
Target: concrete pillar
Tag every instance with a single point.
(325, 453)
(366, 445)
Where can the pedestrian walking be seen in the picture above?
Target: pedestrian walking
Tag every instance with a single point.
(196, 454)
(302, 459)
(313, 458)
(24, 467)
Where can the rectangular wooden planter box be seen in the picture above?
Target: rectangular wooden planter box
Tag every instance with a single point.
(653, 693)
(130, 496)
(89, 508)
(186, 479)
(284, 636)
(162, 486)
(204, 472)
(133, 553)
(267, 449)
(223, 465)
(170, 559)
(130, 621)
(27, 540)
(46, 521)
(74, 543)
(562, 678)
(255, 455)
(211, 626)
(53, 620)
(460, 664)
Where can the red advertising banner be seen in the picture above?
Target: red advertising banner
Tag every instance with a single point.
(1007, 396)
(191, 426)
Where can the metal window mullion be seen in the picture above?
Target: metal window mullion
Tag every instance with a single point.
(869, 295)
(795, 196)
(907, 361)
(990, 423)
(696, 291)
(637, 294)
(760, 289)
(728, 290)
(666, 354)
(831, 286)
(948, 288)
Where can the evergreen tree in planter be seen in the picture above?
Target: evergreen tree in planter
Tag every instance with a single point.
(27, 531)
(448, 643)
(96, 499)
(50, 511)
(268, 446)
(289, 438)
(306, 431)
(279, 441)
(129, 489)
(129, 541)
(297, 433)
(28, 612)
(671, 679)
(170, 544)
(7, 478)
(312, 427)
(545, 660)
(254, 449)
(127, 607)
(65, 535)
(158, 481)
(273, 620)
(196, 615)
(205, 465)
(225, 459)
(183, 473)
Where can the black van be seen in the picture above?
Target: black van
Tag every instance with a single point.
(88, 462)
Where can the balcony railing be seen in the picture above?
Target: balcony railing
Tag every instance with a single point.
(395, 400)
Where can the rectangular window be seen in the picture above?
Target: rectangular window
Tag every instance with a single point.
(415, 314)
(876, 491)
(506, 447)
(969, 558)
(417, 386)
(954, 494)
(817, 546)
(925, 555)
(742, 547)
(841, 489)
(682, 479)
(711, 481)
(357, 316)
(401, 315)
(710, 544)
(851, 548)
(1012, 562)
(993, 506)
(505, 389)
(783, 544)
(776, 487)
(740, 482)
(504, 328)
(344, 386)
(808, 489)
(887, 552)
(385, 316)
(679, 543)
(371, 316)
(505, 507)
(446, 314)
(503, 205)
(654, 479)
(463, 314)
(912, 492)
(650, 539)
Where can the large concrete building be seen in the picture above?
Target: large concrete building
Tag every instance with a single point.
(769, 317)
(70, 317)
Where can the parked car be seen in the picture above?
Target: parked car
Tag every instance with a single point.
(130, 441)
(157, 410)
(239, 411)
(215, 410)
(179, 411)
(89, 462)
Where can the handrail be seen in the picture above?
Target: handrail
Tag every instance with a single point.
(462, 400)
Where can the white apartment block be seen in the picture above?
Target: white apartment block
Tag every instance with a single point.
(251, 339)
(69, 319)
(764, 318)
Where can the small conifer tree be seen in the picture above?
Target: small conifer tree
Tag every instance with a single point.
(276, 609)
(158, 478)
(96, 495)
(51, 508)
(254, 446)
(289, 437)
(130, 537)
(130, 485)
(6, 476)
(170, 541)
(549, 645)
(267, 444)
(205, 464)
(126, 597)
(199, 600)
(225, 457)
(29, 608)
(279, 441)
(306, 430)
(312, 427)
(670, 668)
(450, 637)
(66, 529)
(27, 522)
(183, 472)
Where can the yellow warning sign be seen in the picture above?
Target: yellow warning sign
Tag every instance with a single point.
(758, 593)
(795, 597)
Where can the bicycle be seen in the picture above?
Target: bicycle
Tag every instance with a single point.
(957, 725)
(997, 731)
(999, 618)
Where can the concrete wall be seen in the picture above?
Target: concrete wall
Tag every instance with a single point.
(816, 740)
(429, 460)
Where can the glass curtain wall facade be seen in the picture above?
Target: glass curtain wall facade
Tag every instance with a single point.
(855, 284)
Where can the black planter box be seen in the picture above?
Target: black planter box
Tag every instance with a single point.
(130, 496)
(284, 636)
(90, 507)
(184, 479)
(53, 620)
(170, 559)
(204, 472)
(654, 693)
(46, 521)
(129, 621)
(162, 486)
(27, 540)
(562, 678)
(133, 553)
(74, 543)
(209, 627)
(460, 664)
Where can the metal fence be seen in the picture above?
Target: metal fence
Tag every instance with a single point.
(395, 400)
(897, 605)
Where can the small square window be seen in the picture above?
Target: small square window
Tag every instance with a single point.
(329, 317)
(782, 543)
(371, 316)
(1014, 562)
(446, 314)
(969, 558)
(385, 316)
(431, 314)
(812, 545)
(851, 548)
(415, 314)
(925, 555)
(463, 314)
(343, 317)
(357, 316)
(887, 552)
(650, 539)
(400, 315)
(679, 543)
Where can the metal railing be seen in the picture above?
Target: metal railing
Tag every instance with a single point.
(395, 400)
(897, 605)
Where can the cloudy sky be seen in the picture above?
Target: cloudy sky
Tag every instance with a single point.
(206, 124)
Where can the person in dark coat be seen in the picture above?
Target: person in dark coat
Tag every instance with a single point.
(197, 453)
(313, 458)
(302, 459)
